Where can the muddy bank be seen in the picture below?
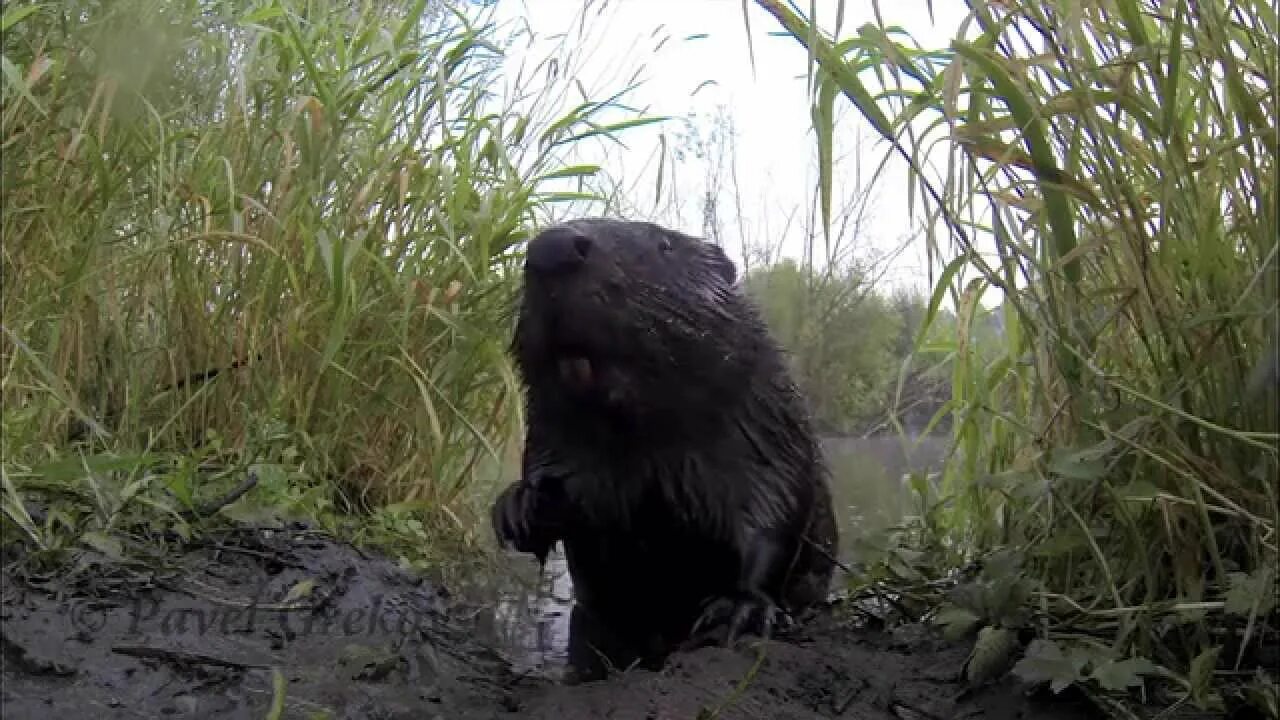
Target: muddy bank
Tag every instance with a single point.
(202, 630)
(197, 634)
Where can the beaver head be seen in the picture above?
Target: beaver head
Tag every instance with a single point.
(633, 320)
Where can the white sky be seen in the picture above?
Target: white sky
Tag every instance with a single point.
(770, 108)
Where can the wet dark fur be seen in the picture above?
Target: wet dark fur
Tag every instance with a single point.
(680, 466)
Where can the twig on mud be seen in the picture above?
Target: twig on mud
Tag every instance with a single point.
(707, 713)
(834, 560)
(897, 707)
(839, 705)
(317, 709)
(269, 607)
(277, 696)
(214, 506)
(272, 556)
(874, 587)
(183, 658)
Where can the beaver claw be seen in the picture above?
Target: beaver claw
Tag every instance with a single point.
(748, 613)
(523, 519)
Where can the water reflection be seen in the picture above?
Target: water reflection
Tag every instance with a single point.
(532, 617)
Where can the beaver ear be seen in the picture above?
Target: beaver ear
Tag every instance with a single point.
(724, 267)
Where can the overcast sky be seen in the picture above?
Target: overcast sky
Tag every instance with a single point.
(769, 108)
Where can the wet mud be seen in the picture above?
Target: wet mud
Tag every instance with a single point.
(233, 624)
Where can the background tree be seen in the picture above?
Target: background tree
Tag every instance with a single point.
(840, 333)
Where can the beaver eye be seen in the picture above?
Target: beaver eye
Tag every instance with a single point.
(665, 246)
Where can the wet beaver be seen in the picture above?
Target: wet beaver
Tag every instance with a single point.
(667, 446)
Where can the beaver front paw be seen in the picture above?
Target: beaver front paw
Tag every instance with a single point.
(524, 520)
(744, 612)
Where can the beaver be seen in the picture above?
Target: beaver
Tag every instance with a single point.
(666, 445)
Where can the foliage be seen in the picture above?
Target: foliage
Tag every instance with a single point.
(263, 234)
(839, 333)
(854, 349)
(1118, 158)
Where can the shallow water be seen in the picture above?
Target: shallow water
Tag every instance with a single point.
(869, 485)
(531, 615)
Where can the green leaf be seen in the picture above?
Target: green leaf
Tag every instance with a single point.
(1247, 590)
(845, 75)
(1131, 15)
(572, 171)
(1200, 677)
(70, 469)
(939, 293)
(823, 121)
(956, 622)
(1263, 695)
(1061, 542)
(1169, 96)
(411, 21)
(1044, 662)
(991, 654)
(1045, 166)
(1119, 675)
(1004, 596)
(1084, 464)
(105, 544)
(302, 589)
(12, 505)
(609, 130)
(902, 562)
(14, 15)
(1138, 491)
(262, 14)
(14, 76)
(970, 596)
(1202, 669)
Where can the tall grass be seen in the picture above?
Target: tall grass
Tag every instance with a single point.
(320, 201)
(1109, 169)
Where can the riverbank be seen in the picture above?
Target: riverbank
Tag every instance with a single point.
(251, 619)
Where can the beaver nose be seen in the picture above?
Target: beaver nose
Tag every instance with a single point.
(557, 250)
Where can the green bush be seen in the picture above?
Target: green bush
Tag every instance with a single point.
(1119, 160)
